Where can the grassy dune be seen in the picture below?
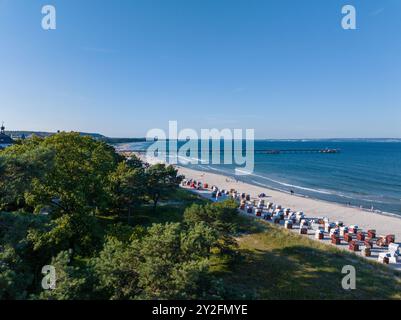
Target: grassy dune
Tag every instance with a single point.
(278, 264)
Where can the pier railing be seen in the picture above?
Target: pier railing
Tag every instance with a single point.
(266, 151)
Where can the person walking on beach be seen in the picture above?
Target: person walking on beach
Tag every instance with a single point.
(292, 192)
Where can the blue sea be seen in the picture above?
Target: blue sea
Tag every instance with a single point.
(365, 173)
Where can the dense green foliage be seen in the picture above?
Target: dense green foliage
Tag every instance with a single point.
(221, 217)
(72, 202)
(117, 228)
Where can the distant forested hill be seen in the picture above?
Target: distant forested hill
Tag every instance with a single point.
(97, 136)
(122, 140)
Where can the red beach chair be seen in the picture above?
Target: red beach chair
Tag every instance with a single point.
(347, 237)
(390, 239)
(354, 246)
(335, 239)
(360, 236)
(368, 243)
(303, 231)
(371, 234)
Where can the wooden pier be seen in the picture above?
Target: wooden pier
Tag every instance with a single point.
(270, 151)
(300, 151)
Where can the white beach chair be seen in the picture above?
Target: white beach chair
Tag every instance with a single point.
(343, 230)
(394, 248)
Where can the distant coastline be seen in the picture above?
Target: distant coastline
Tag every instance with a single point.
(98, 136)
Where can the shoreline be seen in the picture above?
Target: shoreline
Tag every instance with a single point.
(365, 210)
(384, 224)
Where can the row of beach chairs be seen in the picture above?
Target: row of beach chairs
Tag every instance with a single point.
(338, 233)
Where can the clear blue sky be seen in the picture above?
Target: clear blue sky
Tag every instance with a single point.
(283, 67)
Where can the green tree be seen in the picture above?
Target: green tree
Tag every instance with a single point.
(78, 177)
(127, 187)
(17, 171)
(167, 262)
(116, 269)
(219, 216)
(19, 262)
(79, 232)
(136, 163)
(169, 269)
(198, 241)
(161, 181)
(15, 276)
(72, 283)
(67, 183)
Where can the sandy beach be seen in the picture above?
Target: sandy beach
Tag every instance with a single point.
(383, 224)
(312, 208)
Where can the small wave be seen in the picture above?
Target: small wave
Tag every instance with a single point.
(276, 189)
(218, 170)
(372, 200)
(343, 196)
(287, 184)
(191, 160)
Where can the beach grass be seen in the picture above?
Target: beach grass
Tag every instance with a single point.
(278, 264)
(274, 263)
